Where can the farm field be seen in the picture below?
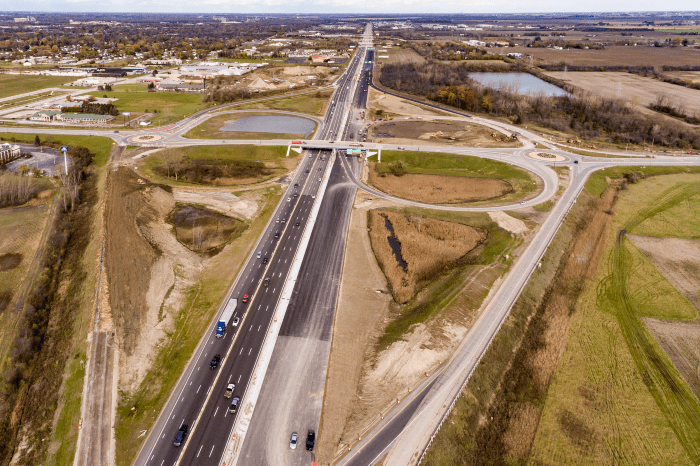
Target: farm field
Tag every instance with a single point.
(209, 129)
(399, 55)
(171, 106)
(614, 56)
(13, 84)
(219, 165)
(441, 178)
(635, 89)
(616, 395)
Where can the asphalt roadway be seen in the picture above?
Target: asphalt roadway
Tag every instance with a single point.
(198, 397)
(292, 395)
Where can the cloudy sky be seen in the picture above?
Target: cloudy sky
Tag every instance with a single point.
(344, 6)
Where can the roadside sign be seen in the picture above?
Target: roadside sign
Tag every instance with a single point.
(126, 113)
(64, 149)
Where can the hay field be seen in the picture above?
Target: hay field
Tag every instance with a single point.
(616, 396)
(21, 229)
(427, 246)
(614, 56)
(635, 89)
(692, 76)
(398, 55)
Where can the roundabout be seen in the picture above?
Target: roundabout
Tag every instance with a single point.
(145, 139)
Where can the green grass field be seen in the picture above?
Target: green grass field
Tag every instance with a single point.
(307, 103)
(12, 84)
(130, 87)
(616, 397)
(101, 147)
(597, 183)
(171, 106)
(210, 129)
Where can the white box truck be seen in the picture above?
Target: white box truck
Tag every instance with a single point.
(226, 317)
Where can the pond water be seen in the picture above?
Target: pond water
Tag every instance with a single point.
(522, 83)
(395, 245)
(272, 124)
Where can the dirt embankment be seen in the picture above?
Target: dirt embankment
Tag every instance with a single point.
(440, 189)
(412, 250)
(439, 132)
(142, 258)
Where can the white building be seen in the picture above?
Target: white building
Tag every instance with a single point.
(9, 152)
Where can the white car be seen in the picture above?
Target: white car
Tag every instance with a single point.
(236, 321)
(319, 179)
(293, 441)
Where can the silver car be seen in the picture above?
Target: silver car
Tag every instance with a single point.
(293, 441)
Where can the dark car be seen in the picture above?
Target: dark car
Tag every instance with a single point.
(296, 194)
(310, 440)
(234, 405)
(277, 234)
(307, 170)
(266, 282)
(296, 185)
(297, 224)
(575, 161)
(264, 260)
(181, 435)
(215, 362)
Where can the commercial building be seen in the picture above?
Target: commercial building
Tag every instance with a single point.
(9, 152)
(83, 118)
(45, 115)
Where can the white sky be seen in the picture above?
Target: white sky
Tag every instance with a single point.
(344, 6)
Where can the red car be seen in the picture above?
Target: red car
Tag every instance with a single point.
(245, 298)
(692, 153)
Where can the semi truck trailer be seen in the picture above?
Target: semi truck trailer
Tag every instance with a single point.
(226, 317)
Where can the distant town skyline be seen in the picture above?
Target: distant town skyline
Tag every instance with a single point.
(341, 6)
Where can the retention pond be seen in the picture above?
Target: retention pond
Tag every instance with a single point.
(395, 245)
(283, 124)
(520, 83)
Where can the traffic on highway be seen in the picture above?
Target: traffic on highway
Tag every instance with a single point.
(204, 407)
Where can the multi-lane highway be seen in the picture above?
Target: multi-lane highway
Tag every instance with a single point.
(198, 399)
(290, 399)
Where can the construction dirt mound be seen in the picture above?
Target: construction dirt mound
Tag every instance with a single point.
(141, 258)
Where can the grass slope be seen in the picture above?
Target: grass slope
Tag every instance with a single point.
(12, 84)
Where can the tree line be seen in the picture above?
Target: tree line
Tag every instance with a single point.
(585, 115)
